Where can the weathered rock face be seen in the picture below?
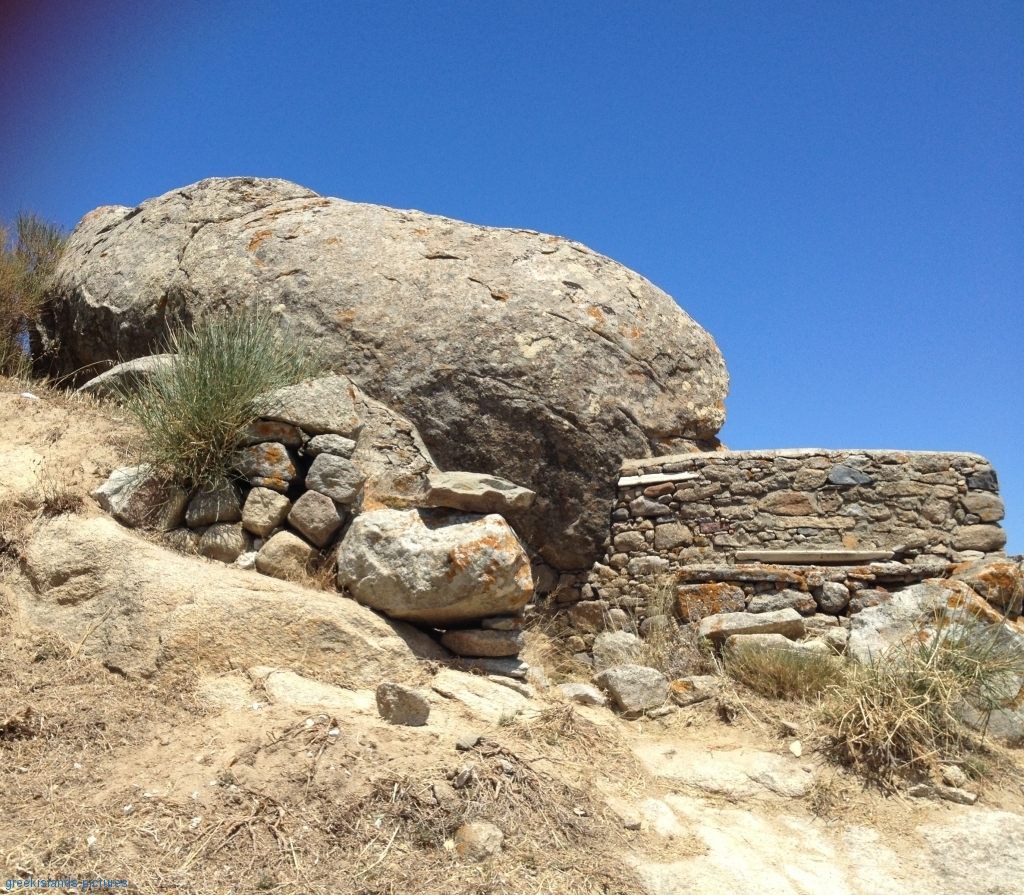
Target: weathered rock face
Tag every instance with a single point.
(140, 609)
(435, 571)
(484, 338)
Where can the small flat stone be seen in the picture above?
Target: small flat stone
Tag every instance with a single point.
(954, 794)
(478, 841)
(508, 667)
(787, 622)
(474, 492)
(634, 688)
(315, 516)
(336, 477)
(737, 644)
(264, 511)
(266, 465)
(475, 642)
(582, 694)
(402, 705)
(803, 603)
(691, 690)
(317, 406)
(224, 542)
(285, 556)
(846, 476)
(217, 504)
(467, 742)
(330, 444)
(271, 431)
(615, 648)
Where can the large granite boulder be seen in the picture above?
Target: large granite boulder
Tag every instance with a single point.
(435, 568)
(516, 354)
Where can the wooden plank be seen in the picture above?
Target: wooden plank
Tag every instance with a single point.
(656, 478)
(800, 557)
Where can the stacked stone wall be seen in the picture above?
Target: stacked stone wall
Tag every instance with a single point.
(824, 532)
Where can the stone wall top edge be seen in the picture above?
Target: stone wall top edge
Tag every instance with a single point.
(629, 467)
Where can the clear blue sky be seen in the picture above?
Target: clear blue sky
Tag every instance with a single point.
(834, 190)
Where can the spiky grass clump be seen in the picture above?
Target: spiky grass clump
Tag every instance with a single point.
(28, 258)
(193, 412)
(905, 712)
(786, 673)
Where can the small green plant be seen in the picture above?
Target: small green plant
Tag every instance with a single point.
(905, 712)
(29, 253)
(193, 412)
(785, 673)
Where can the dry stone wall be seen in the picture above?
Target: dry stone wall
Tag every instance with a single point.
(821, 532)
(745, 505)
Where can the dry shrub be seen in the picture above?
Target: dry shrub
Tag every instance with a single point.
(676, 650)
(904, 713)
(59, 496)
(28, 258)
(786, 673)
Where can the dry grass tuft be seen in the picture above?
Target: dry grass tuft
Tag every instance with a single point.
(904, 713)
(786, 673)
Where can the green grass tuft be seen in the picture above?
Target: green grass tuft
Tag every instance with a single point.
(192, 413)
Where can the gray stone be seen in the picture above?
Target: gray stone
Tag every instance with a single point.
(315, 516)
(737, 644)
(634, 688)
(787, 622)
(837, 638)
(474, 642)
(434, 570)
(478, 841)
(783, 599)
(216, 503)
(833, 597)
(691, 690)
(589, 616)
(645, 566)
(266, 465)
(264, 511)
(326, 405)
(263, 431)
(330, 444)
(615, 648)
(246, 561)
(473, 492)
(123, 379)
(224, 542)
(986, 538)
(478, 335)
(846, 476)
(136, 497)
(403, 705)
(285, 556)
(582, 694)
(515, 668)
(503, 623)
(672, 535)
(655, 625)
(985, 481)
(643, 506)
(338, 478)
(630, 542)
